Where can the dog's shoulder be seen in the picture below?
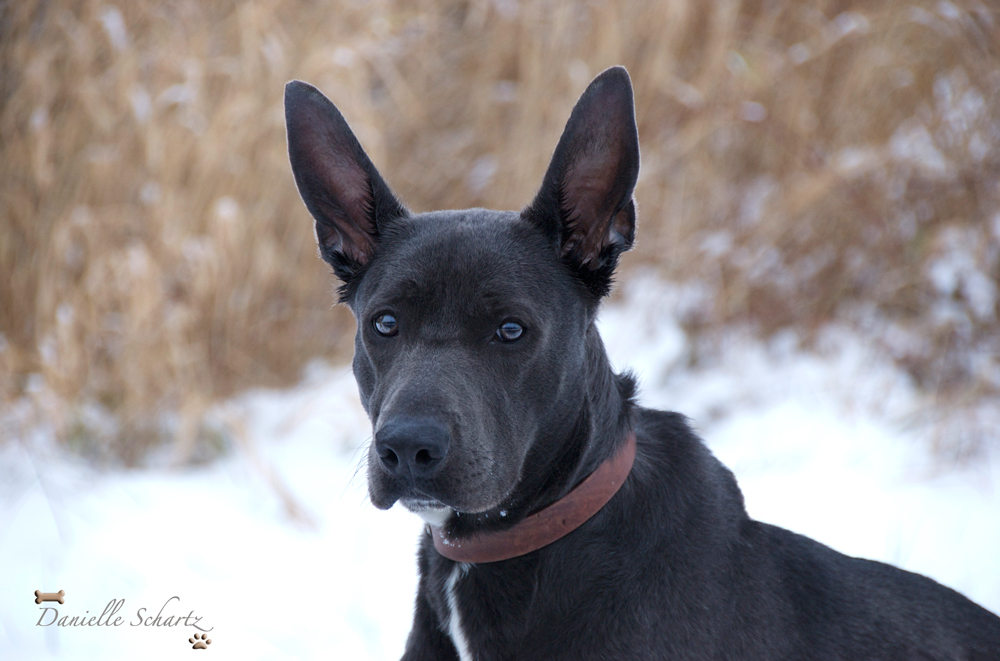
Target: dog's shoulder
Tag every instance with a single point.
(679, 501)
(674, 462)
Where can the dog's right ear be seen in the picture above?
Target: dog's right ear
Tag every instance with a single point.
(337, 181)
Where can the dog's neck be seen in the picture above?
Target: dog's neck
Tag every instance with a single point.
(549, 524)
(595, 434)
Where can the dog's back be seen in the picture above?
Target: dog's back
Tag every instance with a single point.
(851, 607)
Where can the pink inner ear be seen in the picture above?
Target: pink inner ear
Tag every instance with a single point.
(356, 245)
(589, 185)
(350, 185)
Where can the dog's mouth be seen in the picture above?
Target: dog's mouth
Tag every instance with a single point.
(448, 490)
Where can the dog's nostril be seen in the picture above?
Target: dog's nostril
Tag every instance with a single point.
(424, 457)
(389, 458)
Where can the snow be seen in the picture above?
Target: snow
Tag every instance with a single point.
(828, 444)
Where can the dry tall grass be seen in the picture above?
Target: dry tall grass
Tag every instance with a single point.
(803, 161)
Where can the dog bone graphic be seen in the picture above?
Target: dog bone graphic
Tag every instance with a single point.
(50, 596)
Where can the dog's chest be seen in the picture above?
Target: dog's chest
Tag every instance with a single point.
(484, 608)
(455, 629)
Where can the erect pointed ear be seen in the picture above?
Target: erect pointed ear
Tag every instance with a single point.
(341, 188)
(585, 203)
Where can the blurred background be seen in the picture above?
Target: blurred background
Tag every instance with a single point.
(815, 282)
(804, 162)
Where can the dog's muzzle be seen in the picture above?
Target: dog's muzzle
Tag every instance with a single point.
(411, 447)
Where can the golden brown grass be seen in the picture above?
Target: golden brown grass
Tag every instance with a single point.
(805, 160)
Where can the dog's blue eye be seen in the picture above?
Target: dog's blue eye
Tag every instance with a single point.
(385, 324)
(509, 331)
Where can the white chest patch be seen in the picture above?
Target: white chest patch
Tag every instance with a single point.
(454, 619)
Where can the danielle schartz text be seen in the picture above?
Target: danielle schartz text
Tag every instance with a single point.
(109, 617)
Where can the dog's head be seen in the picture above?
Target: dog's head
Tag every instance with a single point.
(470, 348)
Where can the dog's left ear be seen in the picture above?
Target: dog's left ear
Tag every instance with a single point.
(585, 203)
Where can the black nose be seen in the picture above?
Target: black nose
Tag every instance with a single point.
(411, 445)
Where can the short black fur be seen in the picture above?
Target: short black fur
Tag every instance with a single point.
(477, 434)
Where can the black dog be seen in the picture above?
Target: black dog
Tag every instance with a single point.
(492, 401)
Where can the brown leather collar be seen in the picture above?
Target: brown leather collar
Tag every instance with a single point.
(548, 525)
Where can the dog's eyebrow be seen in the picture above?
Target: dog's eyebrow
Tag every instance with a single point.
(401, 291)
(487, 300)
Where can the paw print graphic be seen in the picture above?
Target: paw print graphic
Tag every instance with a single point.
(201, 641)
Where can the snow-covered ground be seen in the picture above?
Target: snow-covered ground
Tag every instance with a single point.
(277, 550)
